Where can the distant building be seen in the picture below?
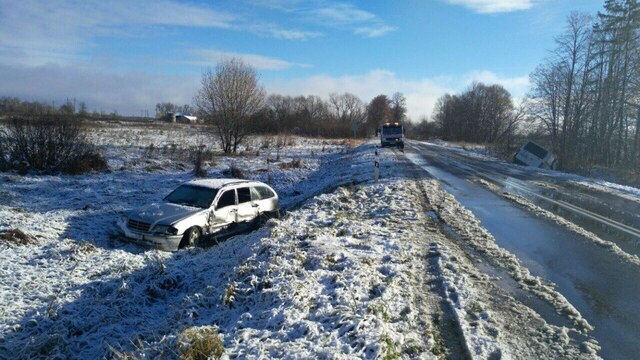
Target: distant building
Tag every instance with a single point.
(182, 118)
(186, 118)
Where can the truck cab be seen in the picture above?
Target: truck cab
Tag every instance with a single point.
(392, 134)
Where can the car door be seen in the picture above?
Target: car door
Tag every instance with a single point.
(257, 200)
(247, 209)
(268, 202)
(226, 209)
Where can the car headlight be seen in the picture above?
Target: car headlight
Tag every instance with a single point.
(165, 229)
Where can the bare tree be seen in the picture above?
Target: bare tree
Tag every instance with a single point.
(378, 111)
(163, 108)
(228, 98)
(398, 106)
(483, 114)
(348, 109)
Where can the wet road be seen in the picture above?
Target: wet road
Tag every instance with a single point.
(602, 286)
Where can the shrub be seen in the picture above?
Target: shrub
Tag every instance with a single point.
(266, 142)
(284, 140)
(236, 172)
(198, 162)
(202, 343)
(90, 160)
(293, 164)
(229, 297)
(48, 144)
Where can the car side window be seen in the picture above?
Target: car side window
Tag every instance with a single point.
(265, 192)
(228, 198)
(255, 195)
(244, 195)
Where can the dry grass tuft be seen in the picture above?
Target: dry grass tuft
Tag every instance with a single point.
(84, 247)
(228, 298)
(17, 237)
(200, 343)
(293, 164)
(351, 143)
(236, 172)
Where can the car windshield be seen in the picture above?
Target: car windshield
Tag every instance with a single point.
(392, 130)
(190, 195)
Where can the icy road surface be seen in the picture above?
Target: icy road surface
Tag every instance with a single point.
(584, 239)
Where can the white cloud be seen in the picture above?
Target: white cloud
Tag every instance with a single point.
(277, 32)
(42, 31)
(375, 31)
(128, 93)
(518, 86)
(36, 32)
(494, 6)
(340, 14)
(421, 94)
(345, 15)
(211, 57)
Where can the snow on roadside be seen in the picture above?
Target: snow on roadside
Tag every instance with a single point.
(466, 225)
(493, 323)
(339, 274)
(629, 192)
(480, 336)
(626, 192)
(334, 277)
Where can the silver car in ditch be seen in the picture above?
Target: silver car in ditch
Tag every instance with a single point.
(198, 208)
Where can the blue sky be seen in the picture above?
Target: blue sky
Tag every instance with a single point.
(129, 55)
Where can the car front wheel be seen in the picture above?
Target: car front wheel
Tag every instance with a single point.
(190, 237)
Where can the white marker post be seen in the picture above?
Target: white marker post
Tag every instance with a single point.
(376, 171)
(376, 167)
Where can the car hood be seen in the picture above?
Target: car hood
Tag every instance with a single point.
(163, 213)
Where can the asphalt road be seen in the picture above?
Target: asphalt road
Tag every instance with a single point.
(604, 287)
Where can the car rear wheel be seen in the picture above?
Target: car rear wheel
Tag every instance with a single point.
(190, 237)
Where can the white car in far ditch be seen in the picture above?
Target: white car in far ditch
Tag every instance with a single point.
(198, 208)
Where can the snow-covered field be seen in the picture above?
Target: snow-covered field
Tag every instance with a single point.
(356, 269)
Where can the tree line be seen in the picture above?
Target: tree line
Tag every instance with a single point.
(481, 114)
(15, 107)
(586, 95)
(234, 103)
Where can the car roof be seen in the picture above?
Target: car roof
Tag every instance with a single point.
(220, 183)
